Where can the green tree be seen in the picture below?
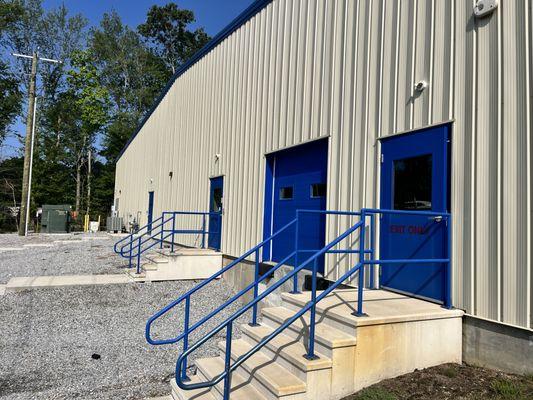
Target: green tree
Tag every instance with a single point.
(11, 103)
(92, 102)
(10, 192)
(167, 30)
(10, 14)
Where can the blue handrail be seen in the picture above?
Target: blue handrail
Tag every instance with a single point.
(157, 231)
(363, 260)
(173, 304)
(229, 322)
(131, 236)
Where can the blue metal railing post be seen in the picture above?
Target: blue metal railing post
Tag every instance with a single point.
(227, 362)
(372, 251)
(256, 289)
(139, 255)
(184, 376)
(173, 231)
(448, 299)
(361, 282)
(203, 231)
(162, 231)
(295, 279)
(131, 253)
(311, 349)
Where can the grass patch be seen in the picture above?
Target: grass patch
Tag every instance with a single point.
(506, 389)
(375, 393)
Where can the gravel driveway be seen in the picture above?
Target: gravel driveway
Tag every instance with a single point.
(48, 337)
(75, 255)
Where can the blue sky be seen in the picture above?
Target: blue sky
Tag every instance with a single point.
(213, 15)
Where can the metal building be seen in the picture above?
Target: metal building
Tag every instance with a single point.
(342, 76)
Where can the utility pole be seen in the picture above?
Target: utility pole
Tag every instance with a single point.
(28, 143)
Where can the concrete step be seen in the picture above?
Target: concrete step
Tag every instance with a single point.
(269, 377)
(241, 389)
(286, 350)
(157, 259)
(149, 266)
(198, 394)
(132, 273)
(381, 307)
(327, 338)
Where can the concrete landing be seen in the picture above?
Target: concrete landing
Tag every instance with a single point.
(36, 282)
(184, 264)
(381, 307)
(2, 290)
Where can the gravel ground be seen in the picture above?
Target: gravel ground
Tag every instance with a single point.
(48, 337)
(77, 255)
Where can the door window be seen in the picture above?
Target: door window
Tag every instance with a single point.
(318, 190)
(216, 204)
(412, 183)
(286, 193)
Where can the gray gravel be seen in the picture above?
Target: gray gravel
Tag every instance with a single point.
(72, 257)
(47, 338)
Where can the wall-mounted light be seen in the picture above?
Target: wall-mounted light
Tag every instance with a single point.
(484, 7)
(170, 174)
(217, 157)
(151, 180)
(421, 86)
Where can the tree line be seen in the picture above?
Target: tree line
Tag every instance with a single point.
(90, 104)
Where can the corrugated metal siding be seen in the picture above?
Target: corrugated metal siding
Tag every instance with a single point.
(300, 70)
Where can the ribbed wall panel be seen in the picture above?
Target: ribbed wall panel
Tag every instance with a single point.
(345, 70)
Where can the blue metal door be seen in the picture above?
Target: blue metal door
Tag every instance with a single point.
(415, 176)
(150, 210)
(215, 206)
(299, 177)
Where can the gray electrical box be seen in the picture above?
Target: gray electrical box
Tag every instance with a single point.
(55, 218)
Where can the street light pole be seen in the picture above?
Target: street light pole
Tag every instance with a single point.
(28, 143)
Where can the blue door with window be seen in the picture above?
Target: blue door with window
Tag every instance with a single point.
(215, 207)
(415, 176)
(150, 211)
(296, 179)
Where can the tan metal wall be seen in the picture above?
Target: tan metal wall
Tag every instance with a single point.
(303, 69)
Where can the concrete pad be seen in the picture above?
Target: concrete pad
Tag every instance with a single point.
(34, 282)
(68, 241)
(39, 245)
(94, 238)
(2, 249)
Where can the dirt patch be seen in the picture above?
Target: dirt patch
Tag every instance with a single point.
(451, 381)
